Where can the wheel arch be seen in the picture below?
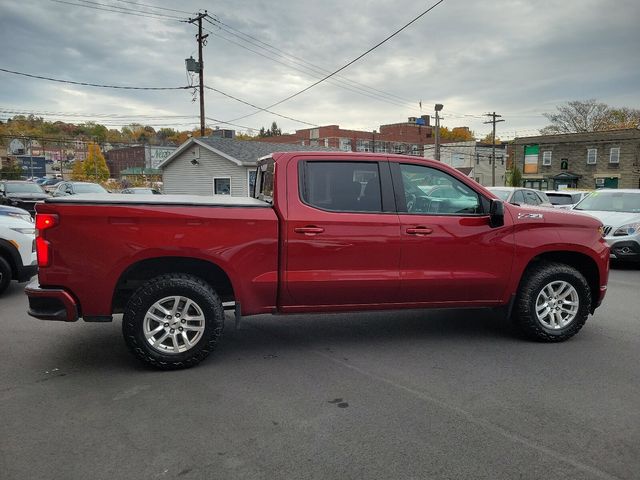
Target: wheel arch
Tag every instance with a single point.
(580, 261)
(138, 273)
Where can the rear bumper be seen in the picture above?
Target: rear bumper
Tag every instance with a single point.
(51, 303)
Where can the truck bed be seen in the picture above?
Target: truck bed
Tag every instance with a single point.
(120, 198)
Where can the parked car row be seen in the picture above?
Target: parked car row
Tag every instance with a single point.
(24, 194)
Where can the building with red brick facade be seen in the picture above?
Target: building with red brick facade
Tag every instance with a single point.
(407, 137)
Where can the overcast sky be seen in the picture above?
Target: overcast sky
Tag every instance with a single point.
(515, 57)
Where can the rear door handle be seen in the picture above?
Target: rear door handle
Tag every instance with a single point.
(310, 230)
(419, 231)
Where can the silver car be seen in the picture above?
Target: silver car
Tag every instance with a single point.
(521, 196)
(566, 199)
(619, 211)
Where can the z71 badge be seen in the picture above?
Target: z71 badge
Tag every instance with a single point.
(530, 215)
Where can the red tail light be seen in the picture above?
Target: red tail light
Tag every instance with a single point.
(44, 221)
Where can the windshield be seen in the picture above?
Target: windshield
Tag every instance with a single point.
(501, 194)
(23, 188)
(88, 188)
(611, 202)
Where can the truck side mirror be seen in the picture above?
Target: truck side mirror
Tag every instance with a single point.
(496, 213)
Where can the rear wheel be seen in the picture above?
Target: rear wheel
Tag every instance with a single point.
(173, 321)
(553, 302)
(5, 274)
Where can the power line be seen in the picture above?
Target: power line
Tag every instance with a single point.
(307, 66)
(349, 63)
(87, 84)
(122, 10)
(229, 123)
(154, 6)
(127, 9)
(90, 115)
(346, 87)
(259, 108)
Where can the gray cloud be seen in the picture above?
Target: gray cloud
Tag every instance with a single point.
(514, 57)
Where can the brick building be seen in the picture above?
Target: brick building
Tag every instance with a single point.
(408, 137)
(120, 159)
(609, 159)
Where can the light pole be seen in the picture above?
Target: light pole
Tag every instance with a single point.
(438, 108)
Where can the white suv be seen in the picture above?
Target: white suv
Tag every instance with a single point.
(17, 250)
(619, 211)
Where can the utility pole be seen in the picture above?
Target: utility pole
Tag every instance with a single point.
(201, 42)
(438, 107)
(493, 120)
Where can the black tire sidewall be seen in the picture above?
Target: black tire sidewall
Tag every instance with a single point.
(5, 270)
(165, 286)
(533, 285)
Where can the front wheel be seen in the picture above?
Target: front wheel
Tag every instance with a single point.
(173, 321)
(552, 303)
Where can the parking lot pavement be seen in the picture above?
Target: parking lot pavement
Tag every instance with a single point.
(396, 395)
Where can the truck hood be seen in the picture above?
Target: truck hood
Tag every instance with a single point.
(530, 214)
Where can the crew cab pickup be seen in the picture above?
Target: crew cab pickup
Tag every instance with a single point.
(322, 232)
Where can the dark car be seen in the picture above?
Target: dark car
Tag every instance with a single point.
(21, 194)
(141, 191)
(72, 188)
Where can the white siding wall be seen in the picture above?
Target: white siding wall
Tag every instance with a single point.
(181, 177)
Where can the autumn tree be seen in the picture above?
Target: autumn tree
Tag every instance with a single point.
(274, 131)
(77, 173)
(589, 116)
(488, 138)
(456, 134)
(95, 165)
(11, 170)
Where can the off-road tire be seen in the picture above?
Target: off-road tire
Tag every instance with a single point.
(535, 279)
(173, 284)
(5, 274)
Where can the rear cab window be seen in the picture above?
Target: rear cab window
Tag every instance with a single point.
(341, 186)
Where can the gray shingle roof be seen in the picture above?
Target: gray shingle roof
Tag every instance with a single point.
(248, 152)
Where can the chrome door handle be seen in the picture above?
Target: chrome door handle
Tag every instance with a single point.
(419, 231)
(309, 230)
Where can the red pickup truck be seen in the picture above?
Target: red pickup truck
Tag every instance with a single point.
(323, 232)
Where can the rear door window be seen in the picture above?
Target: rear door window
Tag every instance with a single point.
(341, 186)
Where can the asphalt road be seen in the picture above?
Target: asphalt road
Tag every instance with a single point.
(409, 395)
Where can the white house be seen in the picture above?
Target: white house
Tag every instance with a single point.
(220, 166)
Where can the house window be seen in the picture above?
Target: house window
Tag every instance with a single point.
(592, 155)
(614, 155)
(546, 158)
(345, 144)
(398, 148)
(564, 164)
(222, 185)
(363, 146)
